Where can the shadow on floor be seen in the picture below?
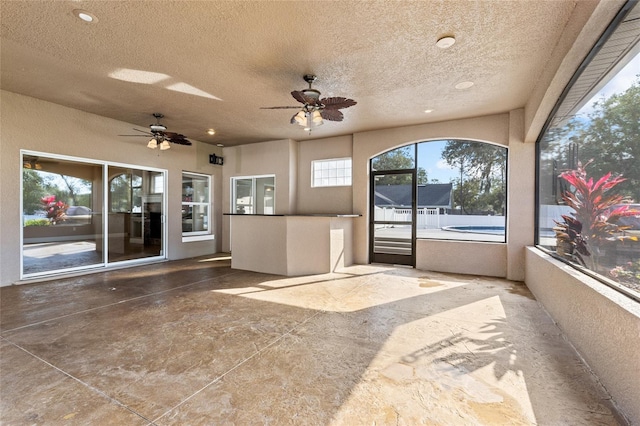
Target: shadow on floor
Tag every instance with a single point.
(196, 342)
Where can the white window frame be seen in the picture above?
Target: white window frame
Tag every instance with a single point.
(104, 235)
(323, 172)
(233, 206)
(208, 233)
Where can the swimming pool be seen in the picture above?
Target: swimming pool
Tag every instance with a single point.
(476, 229)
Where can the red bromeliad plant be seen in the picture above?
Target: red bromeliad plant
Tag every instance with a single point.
(595, 207)
(56, 210)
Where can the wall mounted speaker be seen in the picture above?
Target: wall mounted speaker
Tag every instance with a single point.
(214, 159)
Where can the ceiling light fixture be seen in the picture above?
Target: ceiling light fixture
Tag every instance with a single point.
(32, 164)
(220, 145)
(85, 16)
(164, 145)
(428, 111)
(446, 42)
(211, 132)
(308, 118)
(464, 85)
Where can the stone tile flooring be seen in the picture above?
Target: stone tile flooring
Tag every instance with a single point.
(196, 342)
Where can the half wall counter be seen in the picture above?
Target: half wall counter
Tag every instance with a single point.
(291, 245)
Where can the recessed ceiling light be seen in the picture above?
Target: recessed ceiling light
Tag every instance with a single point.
(445, 42)
(428, 111)
(85, 16)
(211, 132)
(220, 145)
(464, 85)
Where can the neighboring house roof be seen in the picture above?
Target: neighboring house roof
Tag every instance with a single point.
(431, 195)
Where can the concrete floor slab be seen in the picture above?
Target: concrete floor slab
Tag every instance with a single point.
(195, 342)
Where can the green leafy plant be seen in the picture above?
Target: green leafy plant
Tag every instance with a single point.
(37, 222)
(628, 271)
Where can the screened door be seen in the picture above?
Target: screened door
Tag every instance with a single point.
(393, 217)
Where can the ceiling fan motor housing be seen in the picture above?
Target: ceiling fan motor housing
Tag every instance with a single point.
(312, 93)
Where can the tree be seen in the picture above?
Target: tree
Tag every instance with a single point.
(32, 191)
(481, 186)
(423, 179)
(477, 160)
(398, 159)
(611, 136)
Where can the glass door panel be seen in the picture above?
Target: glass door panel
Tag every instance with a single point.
(62, 221)
(393, 217)
(135, 210)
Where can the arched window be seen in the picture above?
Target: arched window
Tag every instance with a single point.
(461, 188)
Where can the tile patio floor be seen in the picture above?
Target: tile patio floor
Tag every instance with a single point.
(196, 342)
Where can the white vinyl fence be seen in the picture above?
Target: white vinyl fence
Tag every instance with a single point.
(433, 219)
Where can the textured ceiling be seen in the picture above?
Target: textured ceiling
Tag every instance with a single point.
(213, 64)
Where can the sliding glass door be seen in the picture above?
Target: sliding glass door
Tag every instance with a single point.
(135, 214)
(80, 214)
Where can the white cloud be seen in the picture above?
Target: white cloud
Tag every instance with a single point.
(441, 164)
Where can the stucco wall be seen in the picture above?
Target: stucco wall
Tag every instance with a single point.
(279, 158)
(500, 129)
(31, 124)
(602, 324)
(287, 158)
(470, 257)
(322, 200)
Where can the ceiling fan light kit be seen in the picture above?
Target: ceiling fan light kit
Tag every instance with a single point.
(160, 137)
(315, 110)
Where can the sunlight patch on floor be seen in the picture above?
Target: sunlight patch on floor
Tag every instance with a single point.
(455, 358)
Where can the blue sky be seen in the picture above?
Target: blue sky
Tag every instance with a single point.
(429, 154)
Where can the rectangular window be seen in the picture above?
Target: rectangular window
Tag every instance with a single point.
(196, 215)
(332, 172)
(253, 195)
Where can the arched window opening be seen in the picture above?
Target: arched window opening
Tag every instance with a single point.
(460, 191)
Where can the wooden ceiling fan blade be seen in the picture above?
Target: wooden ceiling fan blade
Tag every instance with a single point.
(177, 138)
(337, 102)
(299, 96)
(331, 114)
